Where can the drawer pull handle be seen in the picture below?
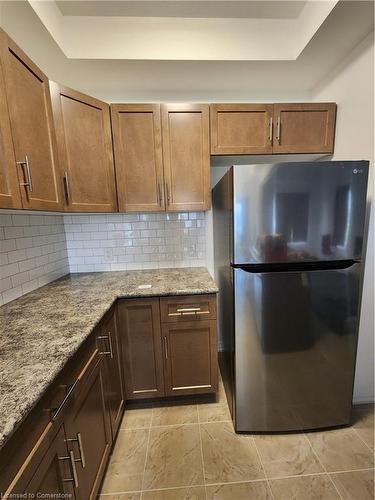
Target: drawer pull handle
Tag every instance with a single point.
(78, 440)
(72, 460)
(64, 401)
(188, 309)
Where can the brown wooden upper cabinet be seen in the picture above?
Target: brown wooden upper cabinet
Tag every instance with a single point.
(162, 156)
(10, 196)
(138, 157)
(304, 128)
(31, 124)
(83, 130)
(186, 154)
(241, 128)
(272, 128)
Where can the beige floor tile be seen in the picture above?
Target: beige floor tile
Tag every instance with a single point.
(357, 485)
(304, 488)
(228, 456)
(217, 410)
(287, 455)
(364, 425)
(121, 496)
(174, 415)
(191, 493)
(139, 418)
(174, 457)
(125, 470)
(213, 412)
(341, 450)
(257, 490)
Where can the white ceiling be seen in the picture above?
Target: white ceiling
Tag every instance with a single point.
(343, 29)
(169, 30)
(218, 9)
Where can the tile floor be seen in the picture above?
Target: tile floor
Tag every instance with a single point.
(190, 452)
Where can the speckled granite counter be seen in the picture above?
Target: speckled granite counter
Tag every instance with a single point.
(40, 331)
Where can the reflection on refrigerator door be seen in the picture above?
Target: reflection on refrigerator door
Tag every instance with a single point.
(295, 337)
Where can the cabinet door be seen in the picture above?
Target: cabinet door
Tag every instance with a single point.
(48, 470)
(33, 133)
(304, 127)
(139, 329)
(83, 130)
(10, 196)
(109, 346)
(186, 153)
(138, 157)
(241, 128)
(190, 357)
(88, 429)
(55, 473)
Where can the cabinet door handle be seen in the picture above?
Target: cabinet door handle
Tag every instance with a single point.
(72, 460)
(25, 164)
(78, 440)
(278, 130)
(66, 185)
(270, 130)
(188, 309)
(74, 469)
(168, 193)
(166, 347)
(109, 338)
(160, 194)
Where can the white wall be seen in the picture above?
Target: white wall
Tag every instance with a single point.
(351, 85)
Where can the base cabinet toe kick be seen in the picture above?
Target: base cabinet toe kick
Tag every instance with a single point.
(143, 348)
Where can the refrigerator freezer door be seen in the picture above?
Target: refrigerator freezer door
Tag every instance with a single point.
(299, 212)
(295, 347)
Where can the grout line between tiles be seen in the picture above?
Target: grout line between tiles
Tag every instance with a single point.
(263, 468)
(350, 470)
(201, 445)
(147, 448)
(324, 468)
(363, 441)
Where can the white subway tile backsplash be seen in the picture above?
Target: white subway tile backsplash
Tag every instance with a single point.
(136, 241)
(36, 248)
(32, 252)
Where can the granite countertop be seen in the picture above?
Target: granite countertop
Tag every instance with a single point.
(40, 331)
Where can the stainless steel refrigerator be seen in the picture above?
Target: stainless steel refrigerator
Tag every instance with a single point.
(289, 240)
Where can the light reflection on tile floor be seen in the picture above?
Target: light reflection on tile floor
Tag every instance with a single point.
(190, 452)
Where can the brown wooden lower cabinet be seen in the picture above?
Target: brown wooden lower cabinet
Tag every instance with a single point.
(169, 346)
(139, 328)
(49, 471)
(110, 346)
(190, 365)
(155, 347)
(88, 430)
(54, 474)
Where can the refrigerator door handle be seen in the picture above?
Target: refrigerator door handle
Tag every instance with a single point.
(296, 266)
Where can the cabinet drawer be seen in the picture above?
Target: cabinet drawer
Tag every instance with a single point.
(191, 307)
